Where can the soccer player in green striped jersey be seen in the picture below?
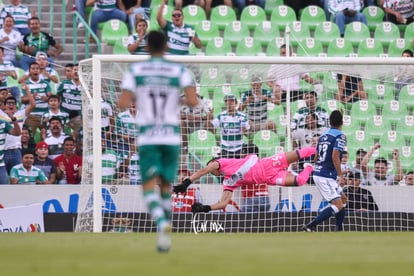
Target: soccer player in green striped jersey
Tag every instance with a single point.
(155, 85)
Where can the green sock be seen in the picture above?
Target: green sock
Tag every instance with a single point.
(166, 204)
(154, 206)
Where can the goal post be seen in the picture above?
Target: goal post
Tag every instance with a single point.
(111, 197)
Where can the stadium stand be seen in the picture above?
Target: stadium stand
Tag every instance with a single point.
(113, 30)
(309, 47)
(312, 16)
(265, 31)
(206, 31)
(326, 31)
(252, 15)
(282, 16)
(193, 14)
(370, 47)
(374, 16)
(386, 32)
(235, 31)
(355, 32)
(222, 15)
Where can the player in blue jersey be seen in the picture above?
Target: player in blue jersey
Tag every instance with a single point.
(327, 172)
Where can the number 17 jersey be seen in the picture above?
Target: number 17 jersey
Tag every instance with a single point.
(157, 85)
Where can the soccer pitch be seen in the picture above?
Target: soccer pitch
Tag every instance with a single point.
(208, 254)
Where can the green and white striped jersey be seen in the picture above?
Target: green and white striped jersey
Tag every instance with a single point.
(27, 176)
(178, 38)
(157, 84)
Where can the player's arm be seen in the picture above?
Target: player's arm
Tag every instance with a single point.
(399, 175)
(191, 96)
(336, 159)
(221, 204)
(365, 160)
(160, 18)
(212, 166)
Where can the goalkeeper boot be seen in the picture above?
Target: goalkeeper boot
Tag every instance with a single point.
(305, 228)
(164, 237)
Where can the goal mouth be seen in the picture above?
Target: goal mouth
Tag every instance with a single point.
(110, 188)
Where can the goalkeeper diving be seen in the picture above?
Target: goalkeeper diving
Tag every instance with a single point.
(249, 170)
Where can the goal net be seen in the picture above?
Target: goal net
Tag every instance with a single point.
(377, 101)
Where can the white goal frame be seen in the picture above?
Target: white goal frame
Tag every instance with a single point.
(95, 96)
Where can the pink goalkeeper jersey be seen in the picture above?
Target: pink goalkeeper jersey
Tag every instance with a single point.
(251, 170)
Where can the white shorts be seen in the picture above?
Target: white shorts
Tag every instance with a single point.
(328, 187)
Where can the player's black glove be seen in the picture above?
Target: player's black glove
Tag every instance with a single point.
(181, 188)
(200, 208)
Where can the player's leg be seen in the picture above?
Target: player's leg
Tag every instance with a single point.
(331, 192)
(300, 179)
(293, 156)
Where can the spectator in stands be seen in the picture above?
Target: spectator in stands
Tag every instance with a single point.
(9, 39)
(350, 89)
(409, 179)
(27, 139)
(20, 13)
(12, 128)
(405, 73)
(279, 83)
(136, 10)
(255, 102)
(380, 175)
(13, 144)
(26, 173)
(179, 35)
(68, 71)
(37, 41)
(359, 156)
(110, 164)
(311, 102)
(359, 199)
(40, 89)
(241, 4)
(209, 4)
(54, 111)
(304, 136)
(126, 131)
(107, 118)
(233, 124)
(68, 164)
(70, 95)
(194, 118)
(56, 138)
(106, 10)
(137, 42)
(398, 12)
(7, 70)
(345, 167)
(46, 72)
(43, 162)
(130, 167)
(345, 12)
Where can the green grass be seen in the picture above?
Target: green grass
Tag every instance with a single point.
(208, 254)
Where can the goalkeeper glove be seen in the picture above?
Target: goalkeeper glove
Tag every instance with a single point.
(181, 188)
(200, 208)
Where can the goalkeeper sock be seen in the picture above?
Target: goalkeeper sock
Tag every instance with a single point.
(324, 215)
(305, 152)
(303, 176)
(340, 216)
(153, 203)
(166, 204)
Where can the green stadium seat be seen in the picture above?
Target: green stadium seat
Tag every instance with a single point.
(330, 85)
(362, 110)
(309, 48)
(359, 139)
(210, 77)
(405, 127)
(380, 94)
(409, 32)
(397, 47)
(298, 32)
(406, 154)
(355, 32)
(194, 51)
(376, 126)
(252, 15)
(203, 145)
(113, 30)
(273, 48)
(326, 32)
(386, 32)
(249, 47)
(206, 30)
(340, 47)
(312, 16)
(393, 111)
(374, 16)
(241, 80)
(350, 126)
(218, 47)
(268, 143)
(121, 46)
(370, 47)
(331, 105)
(166, 13)
(282, 16)
(235, 31)
(406, 96)
(274, 111)
(222, 15)
(193, 14)
(391, 140)
(265, 32)
(271, 5)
